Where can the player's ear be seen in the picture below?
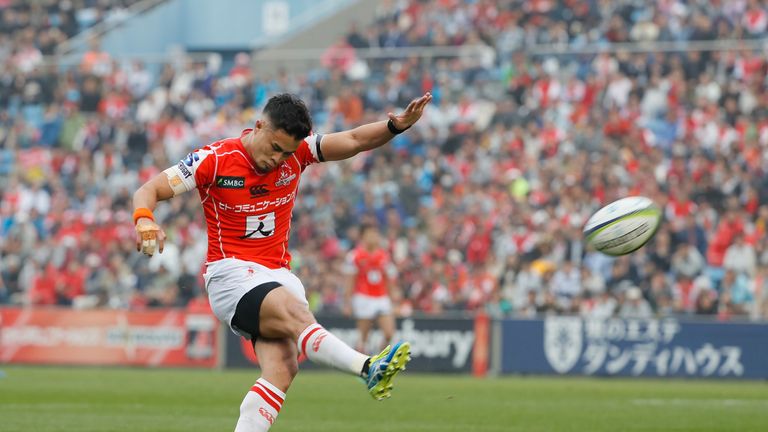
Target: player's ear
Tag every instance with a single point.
(259, 125)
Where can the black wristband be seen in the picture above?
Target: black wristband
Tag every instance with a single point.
(393, 129)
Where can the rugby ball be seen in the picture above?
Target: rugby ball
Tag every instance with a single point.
(623, 226)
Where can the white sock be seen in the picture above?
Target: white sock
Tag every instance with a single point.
(321, 346)
(260, 407)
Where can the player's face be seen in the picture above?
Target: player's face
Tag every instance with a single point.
(371, 238)
(271, 147)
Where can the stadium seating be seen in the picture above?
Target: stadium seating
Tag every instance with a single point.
(482, 202)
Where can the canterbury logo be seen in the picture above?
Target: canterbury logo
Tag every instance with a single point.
(264, 413)
(318, 340)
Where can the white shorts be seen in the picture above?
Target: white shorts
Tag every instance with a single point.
(229, 279)
(367, 307)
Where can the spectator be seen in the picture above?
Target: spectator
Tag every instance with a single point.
(96, 61)
(687, 261)
(605, 306)
(706, 302)
(736, 292)
(566, 283)
(634, 305)
(510, 165)
(740, 257)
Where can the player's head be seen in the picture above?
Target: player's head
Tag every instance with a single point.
(369, 235)
(285, 122)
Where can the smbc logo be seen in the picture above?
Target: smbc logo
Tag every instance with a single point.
(230, 182)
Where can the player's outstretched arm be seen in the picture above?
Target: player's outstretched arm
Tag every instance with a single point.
(149, 235)
(344, 145)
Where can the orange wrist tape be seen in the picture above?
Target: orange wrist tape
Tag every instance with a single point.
(142, 212)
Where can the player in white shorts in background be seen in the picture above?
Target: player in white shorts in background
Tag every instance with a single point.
(370, 288)
(247, 186)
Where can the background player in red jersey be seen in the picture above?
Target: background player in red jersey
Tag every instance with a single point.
(247, 186)
(370, 288)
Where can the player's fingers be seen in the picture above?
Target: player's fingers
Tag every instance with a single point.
(148, 246)
(138, 242)
(161, 241)
(411, 106)
(148, 241)
(424, 101)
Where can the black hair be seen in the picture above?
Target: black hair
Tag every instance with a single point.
(289, 113)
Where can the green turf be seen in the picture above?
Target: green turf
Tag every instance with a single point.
(92, 399)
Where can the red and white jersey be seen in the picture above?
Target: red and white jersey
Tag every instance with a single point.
(372, 270)
(248, 213)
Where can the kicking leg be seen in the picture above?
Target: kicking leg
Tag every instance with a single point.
(283, 315)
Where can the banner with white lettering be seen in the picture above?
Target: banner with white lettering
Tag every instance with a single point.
(628, 347)
(158, 337)
(438, 345)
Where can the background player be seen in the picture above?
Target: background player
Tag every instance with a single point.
(247, 186)
(368, 295)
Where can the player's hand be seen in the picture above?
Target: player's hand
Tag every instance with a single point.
(149, 237)
(412, 112)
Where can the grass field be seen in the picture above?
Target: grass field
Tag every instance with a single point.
(93, 399)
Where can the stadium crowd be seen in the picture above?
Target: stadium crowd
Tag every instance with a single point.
(481, 204)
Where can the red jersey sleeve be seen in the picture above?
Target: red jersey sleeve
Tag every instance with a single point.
(197, 170)
(309, 151)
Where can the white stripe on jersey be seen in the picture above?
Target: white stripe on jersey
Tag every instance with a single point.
(215, 170)
(312, 143)
(218, 225)
(247, 159)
